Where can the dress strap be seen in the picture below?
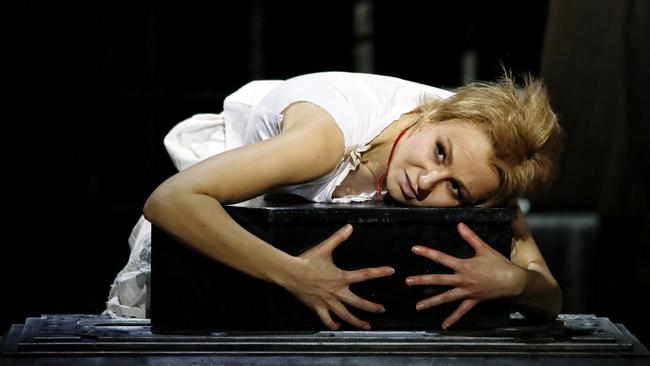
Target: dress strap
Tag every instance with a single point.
(379, 196)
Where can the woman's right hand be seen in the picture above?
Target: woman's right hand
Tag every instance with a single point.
(325, 288)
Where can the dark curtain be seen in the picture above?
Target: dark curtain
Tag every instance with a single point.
(595, 63)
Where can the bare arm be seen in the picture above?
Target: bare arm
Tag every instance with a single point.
(188, 206)
(540, 295)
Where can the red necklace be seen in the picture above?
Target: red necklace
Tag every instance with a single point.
(379, 196)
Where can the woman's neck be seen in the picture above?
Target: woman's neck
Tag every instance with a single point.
(374, 161)
(376, 158)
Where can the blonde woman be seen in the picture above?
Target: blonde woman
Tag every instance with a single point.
(350, 137)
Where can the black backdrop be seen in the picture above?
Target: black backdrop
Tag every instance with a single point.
(96, 85)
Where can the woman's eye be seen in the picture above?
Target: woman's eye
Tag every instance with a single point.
(455, 189)
(440, 152)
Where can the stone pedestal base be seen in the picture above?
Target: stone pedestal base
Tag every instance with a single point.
(98, 340)
(190, 291)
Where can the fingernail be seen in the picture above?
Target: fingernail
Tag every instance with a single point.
(419, 307)
(391, 271)
(347, 228)
(416, 249)
(366, 327)
(382, 309)
(462, 226)
(409, 281)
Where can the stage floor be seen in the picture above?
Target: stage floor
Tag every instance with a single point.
(572, 339)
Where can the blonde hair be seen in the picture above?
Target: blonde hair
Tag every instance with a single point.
(520, 124)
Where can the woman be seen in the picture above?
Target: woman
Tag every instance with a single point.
(348, 137)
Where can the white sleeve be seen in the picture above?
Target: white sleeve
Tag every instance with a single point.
(237, 107)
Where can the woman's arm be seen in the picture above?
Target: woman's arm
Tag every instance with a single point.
(540, 296)
(188, 206)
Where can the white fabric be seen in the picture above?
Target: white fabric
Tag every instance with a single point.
(362, 105)
(204, 135)
(129, 296)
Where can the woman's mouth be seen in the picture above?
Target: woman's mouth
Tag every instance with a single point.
(407, 189)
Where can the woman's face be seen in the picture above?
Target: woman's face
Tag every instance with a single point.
(442, 165)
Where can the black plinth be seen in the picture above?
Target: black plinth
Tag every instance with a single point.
(70, 340)
(189, 291)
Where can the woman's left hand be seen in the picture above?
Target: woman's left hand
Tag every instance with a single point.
(487, 275)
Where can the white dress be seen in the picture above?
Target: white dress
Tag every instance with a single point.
(362, 105)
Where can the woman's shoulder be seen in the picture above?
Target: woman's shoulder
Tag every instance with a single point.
(252, 92)
(349, 76)
(375, 83)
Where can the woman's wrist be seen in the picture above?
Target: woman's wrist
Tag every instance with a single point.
(287, 274)
(519, 279)
(538, 297)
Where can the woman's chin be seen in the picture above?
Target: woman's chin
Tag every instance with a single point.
(401, 199)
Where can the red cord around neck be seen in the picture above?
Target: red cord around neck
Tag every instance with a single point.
(379, 195)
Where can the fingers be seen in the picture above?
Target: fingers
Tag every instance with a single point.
(437, 256)
(366, 274)
(471, 238)
(337, 238)
(351, 298)
(361, 275)
(454, 294)
(345, 315)
(462, 309)
(325, 317)
(433, 279)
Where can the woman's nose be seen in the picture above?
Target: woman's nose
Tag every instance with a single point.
(427, 180)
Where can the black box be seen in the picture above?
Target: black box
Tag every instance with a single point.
(191, 292)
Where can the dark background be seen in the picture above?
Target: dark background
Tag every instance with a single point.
(94, 87)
